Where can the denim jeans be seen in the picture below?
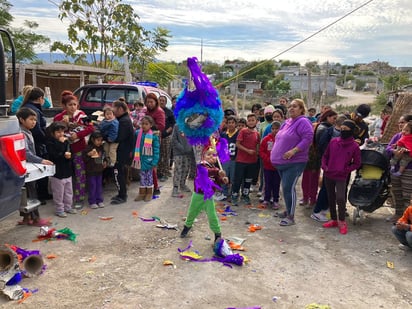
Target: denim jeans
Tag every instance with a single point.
(404, 237)
(229, 167)
(289, 175)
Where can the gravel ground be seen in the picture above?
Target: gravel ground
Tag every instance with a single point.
(119, 263)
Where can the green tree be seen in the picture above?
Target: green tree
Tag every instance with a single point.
(106, 29)
(288, 63)
(163, 73)
(25, 38)
(396, 81)
(142, 48)
(278, 86)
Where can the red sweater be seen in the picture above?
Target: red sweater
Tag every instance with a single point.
(264, 151)
(159, 118)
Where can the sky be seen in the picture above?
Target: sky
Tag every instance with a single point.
(260, 30)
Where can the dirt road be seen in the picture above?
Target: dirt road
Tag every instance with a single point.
(351, 98)
(119, 263)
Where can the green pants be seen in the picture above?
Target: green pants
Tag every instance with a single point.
(197, 204)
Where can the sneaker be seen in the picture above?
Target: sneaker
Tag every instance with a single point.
(175, 192)
(61, 214)
(184, 232)
(185, 188)
(101, 205)
(71, 211)
(320, 217)
(276, 205)
(118, 201)
(261, 199)
(343, 227)
(397, 174)
(246, 199)
(302, 202)
(219, 196)
(265, 204)
(404, 247)
(78, 206)
(330, 223)
(94, 206)
(156, 191)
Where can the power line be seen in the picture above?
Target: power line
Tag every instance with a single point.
(296, 44)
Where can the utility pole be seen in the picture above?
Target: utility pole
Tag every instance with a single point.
(236, 67)
(325, 91)
(309, 103)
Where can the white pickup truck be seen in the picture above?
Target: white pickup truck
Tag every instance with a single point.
(14, 171)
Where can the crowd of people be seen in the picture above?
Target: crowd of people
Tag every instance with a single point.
(269, 150)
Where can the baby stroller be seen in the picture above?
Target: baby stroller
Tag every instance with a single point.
(370, 188)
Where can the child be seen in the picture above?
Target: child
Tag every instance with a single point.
(109, 128)
(61, 184)
(230, 166)
(146, 157)
(272, 178)
(182, 153)
(247, 144)
(342, 156)
(405, 145)
(241, 124)
(27, 119)
(137, 114)
(403, 229)
(198, 203)
(78, 129)
(94, 160)
(312, 114)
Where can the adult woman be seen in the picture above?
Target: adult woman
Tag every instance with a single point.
(290, 154)
(78, 128)
(19, 100)
(126, 140)
(401, 185)
(34, 99)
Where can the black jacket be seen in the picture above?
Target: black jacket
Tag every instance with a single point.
(125, 138)
(56, 150)
(170, 121)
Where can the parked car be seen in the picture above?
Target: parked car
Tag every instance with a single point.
(94, 97)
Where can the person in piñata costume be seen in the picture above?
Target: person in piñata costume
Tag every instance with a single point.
(198, 114)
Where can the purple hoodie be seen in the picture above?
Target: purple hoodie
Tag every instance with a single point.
(341, 158)
(296, 132)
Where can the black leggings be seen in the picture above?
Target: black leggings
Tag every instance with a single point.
(336, 190)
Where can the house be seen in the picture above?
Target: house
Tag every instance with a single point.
(57, 77)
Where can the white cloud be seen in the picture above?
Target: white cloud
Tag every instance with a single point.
(255, 30)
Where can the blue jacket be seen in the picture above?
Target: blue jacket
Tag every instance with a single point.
(148, 162)
(342, 156)
(17, 103)
(109, 129)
